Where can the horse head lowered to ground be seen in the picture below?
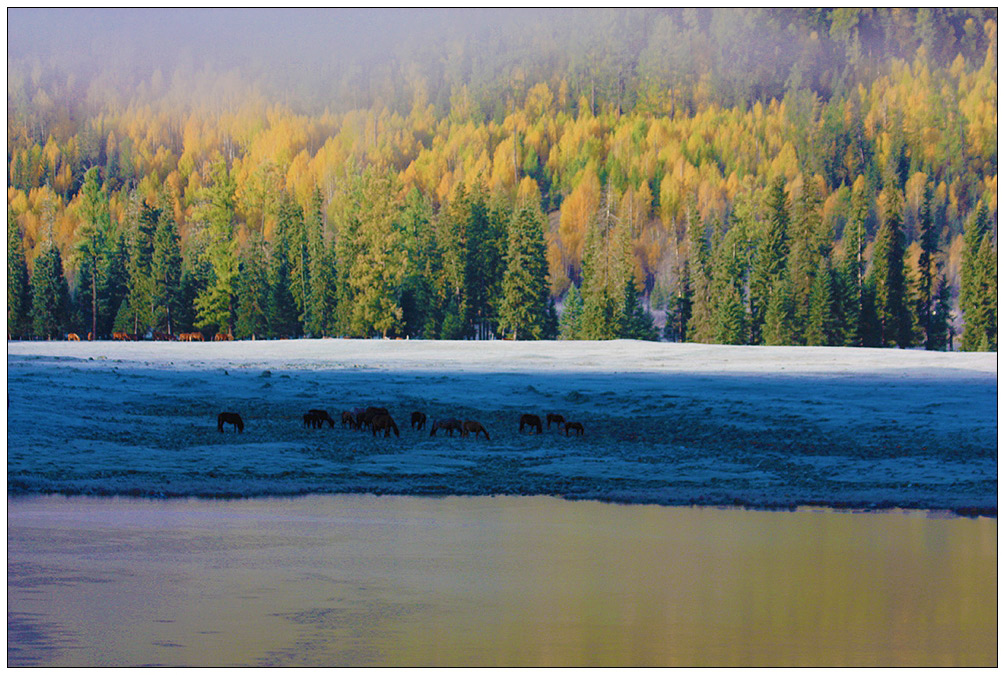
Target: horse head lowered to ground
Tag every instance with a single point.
(229, 418)
(447, 425)
(474, 427)
(532, 421)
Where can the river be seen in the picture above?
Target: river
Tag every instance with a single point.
(361, 580)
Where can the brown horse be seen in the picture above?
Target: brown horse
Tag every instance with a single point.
(322, 416)
(349, 420)
(223, 337)
(120, 335)
(73, 337)
(575, 426)
(230, 418)
(556, 418)
(471, 426)
(384, 422)
(418, 420)
(368, 415)
(163, 337)
(449, 426)
(532, 421)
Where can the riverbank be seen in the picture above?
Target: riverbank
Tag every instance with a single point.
(670, 424)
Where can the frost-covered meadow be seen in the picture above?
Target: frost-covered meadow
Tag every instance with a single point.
(664, 423)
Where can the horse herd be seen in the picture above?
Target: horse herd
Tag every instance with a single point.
(122, 336)
(377, 419)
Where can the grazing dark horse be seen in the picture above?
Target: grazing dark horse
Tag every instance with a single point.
(556, 418)
(230, 418)
(384, 422)
(349, 420)
(322, 416)
(575, 426)
(471, 426)
(449, 426)
(532, 421)
(418, 420)
(365, 418)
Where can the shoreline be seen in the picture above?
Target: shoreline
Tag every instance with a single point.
(836, 507)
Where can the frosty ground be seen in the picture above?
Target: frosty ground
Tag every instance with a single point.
(671, 424)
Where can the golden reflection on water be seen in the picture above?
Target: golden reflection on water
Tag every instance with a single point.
(397, 581)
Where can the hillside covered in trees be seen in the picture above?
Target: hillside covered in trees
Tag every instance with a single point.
(792, 176)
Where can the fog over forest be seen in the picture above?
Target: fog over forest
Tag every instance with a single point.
(784, 176)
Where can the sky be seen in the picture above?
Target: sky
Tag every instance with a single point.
(227, 36)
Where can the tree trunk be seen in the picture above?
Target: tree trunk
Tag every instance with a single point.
(94, 303)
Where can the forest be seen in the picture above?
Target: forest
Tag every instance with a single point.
(738, 176)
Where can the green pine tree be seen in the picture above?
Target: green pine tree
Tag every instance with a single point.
(769, 257)
(165, 272)
(888, 279)
(50, 295)
(605, 273)
(216, 211)
(978, 285)
(569, 328)
(18, 290)
(253, 291)
(524, 308)
(638, 323)
(779, 320)
(92, 250)
(822, 327)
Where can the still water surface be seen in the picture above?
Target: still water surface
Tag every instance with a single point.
(399, 581)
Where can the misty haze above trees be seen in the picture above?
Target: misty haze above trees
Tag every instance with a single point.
(676, 121)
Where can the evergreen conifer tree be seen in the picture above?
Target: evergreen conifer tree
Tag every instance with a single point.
(888, 279)
(569, 328)
(320, 306)
(18, 290)
(978, 285)
(92, 250)
(822, 328)
(778, 328)
(165, 272)
(638, 323)
(50, 295)
(700, 328)
(604, 274)
(252, 291)
(679, 309)
(216, 209)
(524, 308)
(770, 256)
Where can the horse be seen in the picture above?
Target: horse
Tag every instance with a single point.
(230, 418)
(556, 418)
(322, 416)
(532, 421)
(384, 422)
(449, 426)
(223, 337)
(310, 420)
(418, 420)
(576, 426)
(163, 337)
(471, 426)
(120, 335)
(73, 337)
(366, 419)
(349, 420)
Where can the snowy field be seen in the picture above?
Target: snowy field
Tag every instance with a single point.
(664, 423)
